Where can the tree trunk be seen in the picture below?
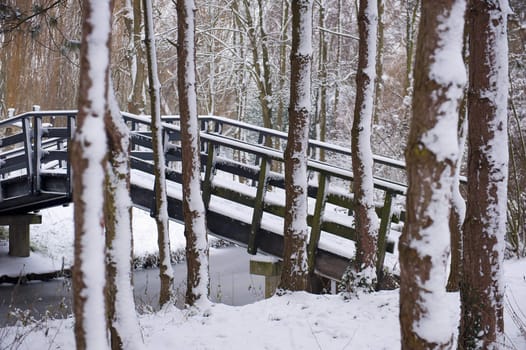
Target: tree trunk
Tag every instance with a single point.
(412, 7)
(378, 86)
(122, 320)
(294, 273)
(458, 208)
(282, 66)
(193, 207)
(481, 290)
(88, 160)
(261, 66)
(137, 98)
(431, 156)
(322, 77)
(366, 220)
(161, 205)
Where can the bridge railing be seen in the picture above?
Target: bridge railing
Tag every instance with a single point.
(30, 144)
(276, 139)
(38, 141)
(221, 136)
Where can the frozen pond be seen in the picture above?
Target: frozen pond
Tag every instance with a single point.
(231, 283)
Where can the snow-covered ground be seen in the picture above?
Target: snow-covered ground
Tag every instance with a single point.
(292, 321)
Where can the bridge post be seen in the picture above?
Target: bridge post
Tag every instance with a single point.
(268, 267)
(385, 224)
(37, 151)
(259, 205)
(317, 221)
(209, 173)
(19, 232)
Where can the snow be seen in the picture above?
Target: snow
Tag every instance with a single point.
(305, 44)
(53, 241)
(293, 321)
(15, 266)
(448, 71)
(304, 50)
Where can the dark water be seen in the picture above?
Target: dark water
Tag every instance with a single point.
(230, 281)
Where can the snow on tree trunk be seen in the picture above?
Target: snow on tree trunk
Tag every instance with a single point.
(122, 319)
(458, 208)
(431, 156)
(294, 273)
(161, 205)
(482, 289)
(193, 206)
(89, 157)
(362, 155)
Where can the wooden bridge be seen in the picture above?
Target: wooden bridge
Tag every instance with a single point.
(242, 182)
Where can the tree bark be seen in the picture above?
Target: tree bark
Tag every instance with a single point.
(322, 77)
(481, 290)
(431, 156)
(294, 273)
(193, 206)
(88, 160)
(458, 208)
(166, 273)
(378, 86)
(366, 220)
(122, 320)
(137, 98)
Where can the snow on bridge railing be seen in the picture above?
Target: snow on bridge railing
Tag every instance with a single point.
(215, 137)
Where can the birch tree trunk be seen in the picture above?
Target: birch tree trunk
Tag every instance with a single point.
(122, 320)
(362, 155)
(161, 205)
(482, 289)
(431, 156)
(89, 157)
(294, 273)
(193, 206)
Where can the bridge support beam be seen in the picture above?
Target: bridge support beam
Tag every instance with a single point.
(268, 267)
(19, 232)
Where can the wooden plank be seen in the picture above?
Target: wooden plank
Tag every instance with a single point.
(209, 174)
(319, 209)
(259, 203)
(37, 152)
(385, 225)
(28, 149)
